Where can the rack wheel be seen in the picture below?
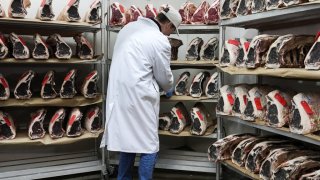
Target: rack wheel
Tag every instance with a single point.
(112, 171)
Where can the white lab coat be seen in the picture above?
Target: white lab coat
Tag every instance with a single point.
(140, 64)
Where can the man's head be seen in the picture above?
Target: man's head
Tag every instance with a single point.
(169, 19)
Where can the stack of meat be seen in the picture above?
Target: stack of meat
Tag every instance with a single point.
(270, 157)
(271, 51)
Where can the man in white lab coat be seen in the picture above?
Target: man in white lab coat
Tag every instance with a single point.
(140, 65)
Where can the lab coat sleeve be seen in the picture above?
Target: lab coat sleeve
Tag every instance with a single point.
(161, 66)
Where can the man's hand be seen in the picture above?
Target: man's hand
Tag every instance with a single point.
(169, 93)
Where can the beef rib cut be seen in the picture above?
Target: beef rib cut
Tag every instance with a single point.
(258, 6)
(7, 127)
(312, 60)
(201, 119)
(198, 16)
(193, 50)
(93, 15)
(181, 85)
(180, 118)
(293, 2)
(165, 121)
(59, 47)
(36, 130)
(226, 100)
(118, 17)
(45, 12)
(175, 44)
(4, 50)
(74, 123)
(68, 86)
(19, 47)
(244, 7)
(228, 8)
(209, 50)
(17, 8)
(93, 120)
(197, 85)
(22, 89)
(40, 50)
(4, 88)
(55, 126)
(151, 12)
(273, 4)
(182, 12)
(135, 12)
(89, 87)
(70, 12)
(212, 87)
(189, 9)
(84, 49)
(231, 52)
(212, 14)
(47, 88)
(241, 99)
(243, 50)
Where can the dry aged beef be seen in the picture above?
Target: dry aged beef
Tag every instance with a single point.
(22, 89)
(289, 51)
(226, 100)
(296, 167)
(209, 50)
(165, 121)
(257, 52)
(2, 12)
(92, 121)
(175, 44)
(241, 99)
(278, 108)
(17, 8)
(84, 49)
(305, 113)
(4, 50)
(257, 103)
(279, 156)
(45, 12)
(59, 47)
(212, 87)
(151, 12)
(273, 4)
(93, 15)
(181, 85)
(197, 85)
(201, 119)
(19, 47)
(40, 50)
(135, 12)
(180, 118)
(182, 10)
(55, 126)
(89, 87)
(74, 123)
(186, 11)
(193, 50)
(47, 87)
(212, 14)
(198, 16)
(244, 7)
(222, 149)
(70, 12)
(260, 151)
(293, 2)
(36, 130)
(68, 86)
(4, 88)
(118, 17)
(243, 50)
(228, 8)
(311, 176)
(7, 127)
(312, 60)
(258, 6)
(230, 54)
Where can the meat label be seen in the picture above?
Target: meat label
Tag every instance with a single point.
(280, 99)
(307, 108)
(200, 115)
(4, 83)
(230, 99)
(6, 119)
(257, 101)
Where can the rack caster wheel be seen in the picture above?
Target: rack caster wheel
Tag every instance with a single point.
(112, 171)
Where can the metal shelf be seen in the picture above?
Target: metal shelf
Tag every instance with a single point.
(95, 60)
(183, 29)
(293, 73)
(50, 166)
(193, 64)
(180, 160)
(280, 18)
(23, 26)
(186, 133)
(188, 98)
(74, 102)
(259, 124)
(240, 170)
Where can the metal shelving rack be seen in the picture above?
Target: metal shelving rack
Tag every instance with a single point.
(298, 15)
(52, 159)
(179, 160)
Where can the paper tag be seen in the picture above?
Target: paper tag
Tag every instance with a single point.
(54, 117)
(233, 42)
(22, 41)
(257, 101)
(90, 75)
(200, 115)
(318, 35)
(246, 45)
(6, 119)
(280, 99)
(72, 119)
(245, 99)
(121, 8)
(307, 108)
(180, 116)
(91, 114)
(230, 99)
(45, 80)
(4, 83)
(68, 76)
